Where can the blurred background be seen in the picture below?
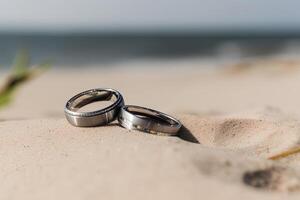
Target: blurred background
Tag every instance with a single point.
(82, 33)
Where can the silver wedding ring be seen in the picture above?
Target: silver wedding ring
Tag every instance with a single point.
(130, 117)
(148, 120)
(98, 117)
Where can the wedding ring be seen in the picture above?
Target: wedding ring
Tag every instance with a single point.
(98, 117)
(148, 120)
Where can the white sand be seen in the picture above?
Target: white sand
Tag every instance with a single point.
(239, 120)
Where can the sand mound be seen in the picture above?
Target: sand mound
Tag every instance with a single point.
(253, 136)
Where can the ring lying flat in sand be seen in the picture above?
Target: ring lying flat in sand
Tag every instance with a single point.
(94, 118)
(148, 120)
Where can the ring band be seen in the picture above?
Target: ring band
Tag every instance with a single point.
(148, 120)
(98, 117)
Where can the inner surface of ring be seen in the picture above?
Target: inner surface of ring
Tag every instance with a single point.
(91, 97)
(151, 115)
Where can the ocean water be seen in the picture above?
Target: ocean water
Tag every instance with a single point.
(85, 50)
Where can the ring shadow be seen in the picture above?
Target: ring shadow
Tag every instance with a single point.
(184, 133)
(187, 135)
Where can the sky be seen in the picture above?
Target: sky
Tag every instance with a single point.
(149, 15)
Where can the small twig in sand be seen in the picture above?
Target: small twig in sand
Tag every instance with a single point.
(285, 153)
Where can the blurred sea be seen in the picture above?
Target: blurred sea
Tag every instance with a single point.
(85, 50)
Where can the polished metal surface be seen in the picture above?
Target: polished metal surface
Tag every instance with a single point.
(98, 117)
(148, 120)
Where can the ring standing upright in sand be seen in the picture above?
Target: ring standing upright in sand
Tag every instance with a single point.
(98, 117)
(148, 120)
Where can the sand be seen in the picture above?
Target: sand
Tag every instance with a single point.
(234, 121)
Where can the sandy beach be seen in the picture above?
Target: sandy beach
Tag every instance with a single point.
(234, 122)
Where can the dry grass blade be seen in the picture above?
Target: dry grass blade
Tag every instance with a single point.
(21, 73)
